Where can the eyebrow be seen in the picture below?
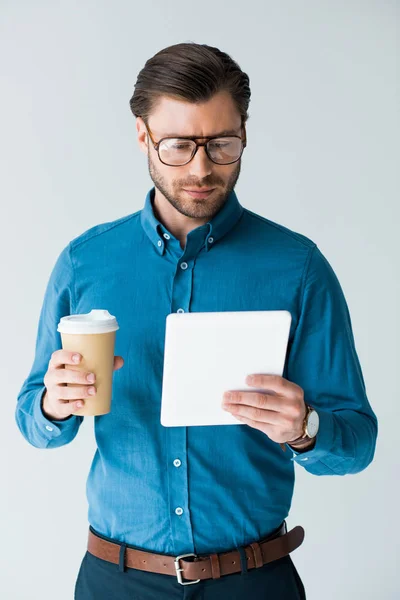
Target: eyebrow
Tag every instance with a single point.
(219, 134)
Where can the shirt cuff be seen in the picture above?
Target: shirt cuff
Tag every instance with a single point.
(50, 429)
(324, 442)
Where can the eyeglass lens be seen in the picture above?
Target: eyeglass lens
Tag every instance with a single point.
(176, 151)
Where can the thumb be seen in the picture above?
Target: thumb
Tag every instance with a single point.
(118, 362)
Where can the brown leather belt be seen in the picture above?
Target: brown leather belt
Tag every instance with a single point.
(275, 546)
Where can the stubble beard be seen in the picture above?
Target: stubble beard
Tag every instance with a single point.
(195, 208)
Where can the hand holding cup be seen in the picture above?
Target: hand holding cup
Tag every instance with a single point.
(60, 401)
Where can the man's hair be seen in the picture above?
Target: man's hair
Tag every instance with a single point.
(190, 72)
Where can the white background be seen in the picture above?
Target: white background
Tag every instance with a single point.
(321, 159)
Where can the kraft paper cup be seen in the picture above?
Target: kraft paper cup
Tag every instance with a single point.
(93, 336)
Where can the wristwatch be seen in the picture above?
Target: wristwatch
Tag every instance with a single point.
(310, 429)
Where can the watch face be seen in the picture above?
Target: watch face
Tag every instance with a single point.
(312, 423)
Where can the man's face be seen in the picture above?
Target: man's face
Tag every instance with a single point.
(177, 118)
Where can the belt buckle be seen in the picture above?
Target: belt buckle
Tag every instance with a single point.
(179, 570)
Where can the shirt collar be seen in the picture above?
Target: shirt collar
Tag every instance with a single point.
(213, 230)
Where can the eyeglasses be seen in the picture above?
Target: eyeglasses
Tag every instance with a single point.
(176, 152)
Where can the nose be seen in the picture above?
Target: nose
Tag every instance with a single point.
(200, 165)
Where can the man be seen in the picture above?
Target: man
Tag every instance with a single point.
(218, 494)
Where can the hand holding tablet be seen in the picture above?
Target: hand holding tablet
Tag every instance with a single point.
(209, 353)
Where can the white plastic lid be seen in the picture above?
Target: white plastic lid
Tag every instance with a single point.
(96, 321)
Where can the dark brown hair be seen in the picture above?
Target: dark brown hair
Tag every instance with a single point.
(191, 72)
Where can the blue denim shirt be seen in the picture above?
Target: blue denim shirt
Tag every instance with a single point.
(201, 489)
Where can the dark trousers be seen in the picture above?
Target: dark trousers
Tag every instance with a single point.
(99, 579)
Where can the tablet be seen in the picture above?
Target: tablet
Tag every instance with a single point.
(209, 353)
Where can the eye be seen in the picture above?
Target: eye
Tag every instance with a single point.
(218, 144)
(180, 146)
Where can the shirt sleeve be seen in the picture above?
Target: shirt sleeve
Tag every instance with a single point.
(58, 302)
(323, 361)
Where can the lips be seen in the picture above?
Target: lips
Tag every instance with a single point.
(199, 194)
(201, 190)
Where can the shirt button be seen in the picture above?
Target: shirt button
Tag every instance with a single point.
(180, 310)
(167, 237)
(210, 240)
(304, 459)
(177, 462)
(159, 243)
(49, 428)
(184, 266)
(178, 510)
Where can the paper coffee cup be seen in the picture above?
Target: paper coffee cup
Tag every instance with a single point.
(93, 336)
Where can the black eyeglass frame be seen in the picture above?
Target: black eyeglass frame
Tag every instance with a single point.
(208, 138)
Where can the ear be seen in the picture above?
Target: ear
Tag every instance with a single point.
(142, 135)
(244, 133)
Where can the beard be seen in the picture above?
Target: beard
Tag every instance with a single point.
(195, 208)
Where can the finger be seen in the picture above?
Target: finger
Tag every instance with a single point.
(75, 392)
(66, 407)
(73, 376)
(256, 399)
(60, 358)
(275, 383)
(258, 415)
(264, 427)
